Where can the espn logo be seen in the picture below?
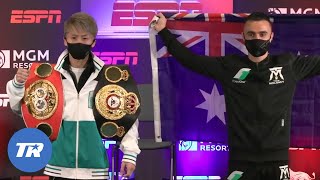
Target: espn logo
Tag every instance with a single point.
(4, 58)
(4, 100)
(35, 16)
(113, 58)
(140, 13)
(188, 145)
(108, 143)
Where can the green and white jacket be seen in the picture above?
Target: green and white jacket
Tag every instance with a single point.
(78, 152)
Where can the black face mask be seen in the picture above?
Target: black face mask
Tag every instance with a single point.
(257, 47)
(78, 50)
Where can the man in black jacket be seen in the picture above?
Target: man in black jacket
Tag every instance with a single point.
(258, 91)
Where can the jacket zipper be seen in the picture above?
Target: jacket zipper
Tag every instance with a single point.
(77, 134)
(257, 121)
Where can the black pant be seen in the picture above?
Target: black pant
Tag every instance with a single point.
(244, 170)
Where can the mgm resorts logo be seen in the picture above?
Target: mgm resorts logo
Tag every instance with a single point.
(288, 10)
(22, 58)
(201, 146)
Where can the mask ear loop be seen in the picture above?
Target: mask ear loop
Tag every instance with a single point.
(65, 37)
(94, 40)
(244, 38)
(270, 37)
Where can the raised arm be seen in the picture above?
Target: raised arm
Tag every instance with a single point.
(15, 90)
(305, 66)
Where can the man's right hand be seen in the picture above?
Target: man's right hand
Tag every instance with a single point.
(22, 75)
(161, 24)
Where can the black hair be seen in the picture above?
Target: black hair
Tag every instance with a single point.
(258, 16)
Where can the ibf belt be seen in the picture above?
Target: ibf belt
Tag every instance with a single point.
(116, 102)
(42, 104)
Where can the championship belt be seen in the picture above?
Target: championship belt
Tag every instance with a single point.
(42, 104)
(116, 102)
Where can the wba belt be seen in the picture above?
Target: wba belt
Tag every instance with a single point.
(42, 104)
(117, 102)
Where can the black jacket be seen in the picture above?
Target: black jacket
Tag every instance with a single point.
(258, 97)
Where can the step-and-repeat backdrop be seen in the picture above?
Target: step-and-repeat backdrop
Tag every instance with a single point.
(32, 31)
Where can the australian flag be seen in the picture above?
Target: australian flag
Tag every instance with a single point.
(189, 106)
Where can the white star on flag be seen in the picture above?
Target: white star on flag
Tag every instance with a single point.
(214, 103)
